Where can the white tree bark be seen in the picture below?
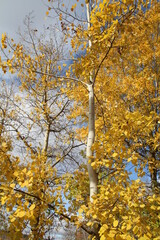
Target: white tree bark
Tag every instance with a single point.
(46, 139)
(93, 176)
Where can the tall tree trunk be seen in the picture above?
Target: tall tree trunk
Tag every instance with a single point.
(93, 176)
(46, 139)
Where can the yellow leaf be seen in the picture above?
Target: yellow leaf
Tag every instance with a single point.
(144, 238)
(60, 16)
(80, 210)
(12, 185)
(112, 234)
(26, 203)
(103, 237)
(142, 205)
(135, 230)
(24, 170)
(59, 188)
(4, 145)
(3, 200)
(103, 229)
(139, 122)
(16, 173)
(153, 207)
(89, 224)
(12, 219)
(59, 68)
(114, 155)
(21, 214)
(93, 164)
(32, 207)
(115, 223)
(25, 184)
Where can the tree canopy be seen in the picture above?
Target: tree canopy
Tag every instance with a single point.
(80, 138)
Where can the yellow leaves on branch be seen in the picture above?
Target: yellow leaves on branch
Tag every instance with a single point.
(4, 40)
(3, 200)
(115, 223)
(73, 7)
(126, 123)
(21, 214)
(32, 207)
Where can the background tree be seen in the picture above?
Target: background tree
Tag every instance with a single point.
(42, 133)
(122, 84)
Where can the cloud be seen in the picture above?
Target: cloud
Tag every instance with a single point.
(12, 14)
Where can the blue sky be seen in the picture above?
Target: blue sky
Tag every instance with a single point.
(13, 12)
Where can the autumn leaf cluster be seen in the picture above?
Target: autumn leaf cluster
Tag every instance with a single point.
(123, 60)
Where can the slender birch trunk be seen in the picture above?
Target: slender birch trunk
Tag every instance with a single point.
(46, 139)
(93, 176)
(47, 133)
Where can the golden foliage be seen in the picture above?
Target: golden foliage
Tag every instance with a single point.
(125, 59)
